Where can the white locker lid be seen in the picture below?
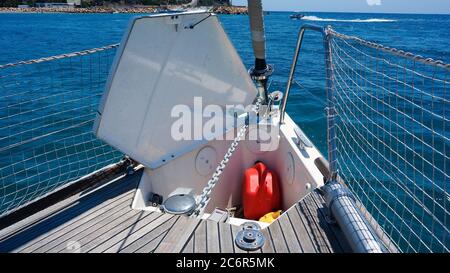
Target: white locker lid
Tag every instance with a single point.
(162, 63)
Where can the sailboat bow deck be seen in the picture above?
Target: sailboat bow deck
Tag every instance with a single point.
(102, 220)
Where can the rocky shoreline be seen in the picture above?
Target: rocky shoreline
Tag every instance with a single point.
(230, 10)
(218, 10)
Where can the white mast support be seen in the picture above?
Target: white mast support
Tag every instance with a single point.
(255, 13)
(261, 71)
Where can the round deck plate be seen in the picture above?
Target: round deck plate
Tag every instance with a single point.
(290, 168)
(250, 225)
(179, 204)
(249, 239)
(206, 161)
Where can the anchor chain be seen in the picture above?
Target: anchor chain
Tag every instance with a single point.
(212, 182)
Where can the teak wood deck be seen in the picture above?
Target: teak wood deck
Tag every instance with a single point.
(102, 220)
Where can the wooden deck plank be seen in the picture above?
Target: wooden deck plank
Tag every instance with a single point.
(155, 228)
(189, 247)
(226, 238)
(179, 235)
(59, 237)
(200, 238)
(212, 236)
(107, 223)
(127, 236)
(72, 204)
(278, 240)
(110, 231)
(39, 229)
(313, 230)
(289, 234)
(300, 231)
(77, 223)
(268, 245)
(153, 244)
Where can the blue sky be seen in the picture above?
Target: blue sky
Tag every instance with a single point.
(381, 6)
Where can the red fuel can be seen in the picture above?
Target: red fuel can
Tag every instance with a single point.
(261, 191)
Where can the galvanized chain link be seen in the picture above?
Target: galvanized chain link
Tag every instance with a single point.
(62, 56)
(212, 182)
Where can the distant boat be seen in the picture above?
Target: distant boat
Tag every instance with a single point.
(296, 16)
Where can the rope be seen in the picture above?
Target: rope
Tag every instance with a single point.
(391, 50)
(62, 56)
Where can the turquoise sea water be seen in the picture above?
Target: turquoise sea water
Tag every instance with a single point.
(29, 36)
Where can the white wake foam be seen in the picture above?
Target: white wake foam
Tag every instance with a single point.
(371, 20)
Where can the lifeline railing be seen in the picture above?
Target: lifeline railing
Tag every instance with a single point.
(388, 138)
(46, 116)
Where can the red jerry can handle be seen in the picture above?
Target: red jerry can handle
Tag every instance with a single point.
(261, 191)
